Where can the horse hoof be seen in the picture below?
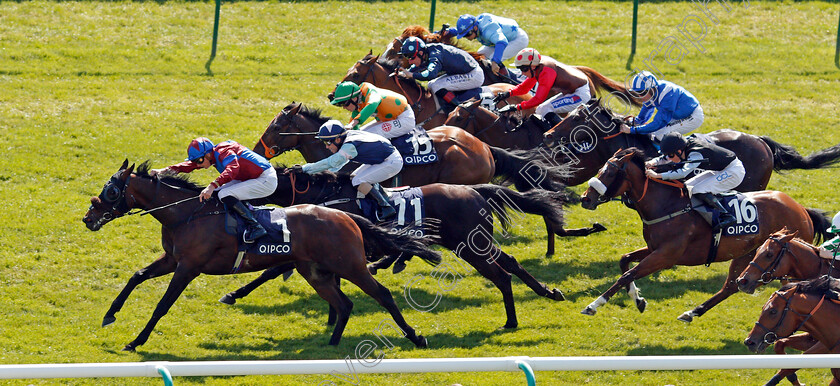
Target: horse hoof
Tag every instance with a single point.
(108, 320)
(129, 347)
(421, 342)
(372, 270)
(509, 326)
(398, 267)
(685, 317)
(588, 311)
(549, 255)
(597, 227)
(227, 299)
(557, 295)
(641, 304)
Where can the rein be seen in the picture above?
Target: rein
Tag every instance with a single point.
(770, 337)
(292, 178)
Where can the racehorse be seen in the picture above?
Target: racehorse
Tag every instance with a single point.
(195, 241)
(464, 160)
(811, 306)
(501, 131)
(589, 136)
(783, 256)
(392, 51)
(677, 235)
(381, 72)
(462, 215)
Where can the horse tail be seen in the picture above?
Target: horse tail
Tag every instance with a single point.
(785, 157)
(601, 82)
(821, 224)
(528, 169)
(392, 243)
(537, 201)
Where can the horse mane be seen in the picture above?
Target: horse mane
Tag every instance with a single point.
(179, 180)
(313, 113)
(824, 285)
(638, 157)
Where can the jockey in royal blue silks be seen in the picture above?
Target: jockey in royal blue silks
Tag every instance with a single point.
(447, 68)
(243, 175)
(380, 160)
(501, 38)
(723, 171)
(666, 107)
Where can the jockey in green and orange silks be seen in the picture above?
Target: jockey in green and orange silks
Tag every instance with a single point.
(393, 116)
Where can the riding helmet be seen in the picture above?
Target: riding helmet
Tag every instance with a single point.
(672, 142)
(527, 57)
(643, 81)
(465, 24)
(344, 91)
(330, 130)
(198, 148)
(835, 224)
(412, 46)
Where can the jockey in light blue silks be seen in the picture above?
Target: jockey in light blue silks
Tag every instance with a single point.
(666, 107)
(501, 38)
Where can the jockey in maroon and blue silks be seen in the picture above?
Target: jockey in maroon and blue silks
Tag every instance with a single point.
(244, 175)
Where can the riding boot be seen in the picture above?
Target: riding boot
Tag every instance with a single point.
(725, 219)
(449, 99)
(385, 208)
(253, 229)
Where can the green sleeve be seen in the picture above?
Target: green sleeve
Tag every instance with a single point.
(373, 100)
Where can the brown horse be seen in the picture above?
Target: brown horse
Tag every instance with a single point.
(788, 258)
(811, 306)
(464, 160)
(460, 212)
(500, 131)
(380, 73)
(590, 135)
(392, 51)
(676, 235)
(195, 242)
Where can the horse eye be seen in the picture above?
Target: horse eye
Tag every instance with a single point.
(774, 312)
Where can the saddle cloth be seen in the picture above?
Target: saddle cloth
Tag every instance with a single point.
(416, 147)
(278, 241)
(744, 210)
(410, 206)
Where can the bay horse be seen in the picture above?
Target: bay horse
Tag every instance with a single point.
(194, 241)
(677, 235)
(380, 73)
(500, 131)
(812, 306)
(783, 256)
(590, 135)
(462, 216)
(392, 51)
(464, 160)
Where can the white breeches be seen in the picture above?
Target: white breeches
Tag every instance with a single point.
(458, 82)
(565, 103)
(262, 186)
(393, 128)
(716, 182)
(682, 126)
(374, 174)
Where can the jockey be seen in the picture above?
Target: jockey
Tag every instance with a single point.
(723, 170)
(666, 107)
(380, 160)
(501, 38)
(393, 116)
(566, 86)
(431, 61)
(829, 249)
(244, 175)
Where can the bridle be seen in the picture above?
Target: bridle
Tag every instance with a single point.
(114, 194)
(767, 273)
(771, 336)
(274, 151)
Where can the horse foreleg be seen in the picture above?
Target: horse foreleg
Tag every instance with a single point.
(182, 277)
(383, 296)
(162, 266)
(803, 342)
(653, 262)
(553, 229)
(730, 286)
(499, 277)
(382, 263)
(268, 274)
(624, 263)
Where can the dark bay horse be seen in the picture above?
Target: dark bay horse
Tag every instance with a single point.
(195, 242)
(493, 129)
(676, 235)
(379, 72)
(590, 135)
(462, 213)
(811, 306)
(783, 256)
(464, 160)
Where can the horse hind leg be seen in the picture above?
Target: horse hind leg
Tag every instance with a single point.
(510, 264)
(553, 229)
(325, 285)
(383, 296)
(634, 292)
(162, 266)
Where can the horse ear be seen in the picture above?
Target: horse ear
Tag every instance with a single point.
(129, 171)
(792, 235)
(617, 152)
(295, 109)
(124, 165)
